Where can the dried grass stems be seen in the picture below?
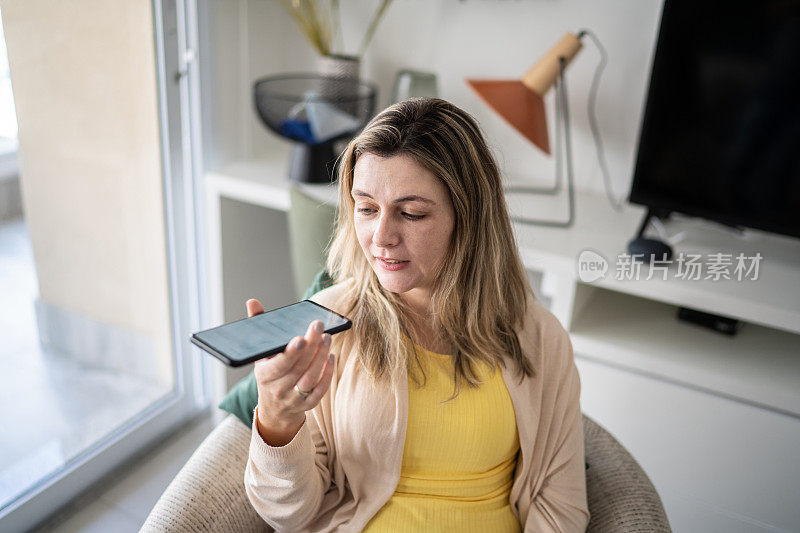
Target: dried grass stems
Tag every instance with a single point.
(320, 21)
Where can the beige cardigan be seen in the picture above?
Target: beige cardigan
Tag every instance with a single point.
(344, 463)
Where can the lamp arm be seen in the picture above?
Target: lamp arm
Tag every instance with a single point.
(535, 79)
(562, 115)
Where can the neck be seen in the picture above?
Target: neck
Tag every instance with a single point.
(419, 300)
(430, 336)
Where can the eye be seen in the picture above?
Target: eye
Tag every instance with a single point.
(369, 211)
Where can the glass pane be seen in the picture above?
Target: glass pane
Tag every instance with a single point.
(84, 288)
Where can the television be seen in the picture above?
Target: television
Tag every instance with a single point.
(720, 135)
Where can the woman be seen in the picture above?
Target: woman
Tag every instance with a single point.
(452, 403)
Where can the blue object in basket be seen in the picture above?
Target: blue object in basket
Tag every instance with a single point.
(299, 130)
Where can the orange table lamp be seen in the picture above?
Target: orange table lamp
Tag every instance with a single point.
(521, 102)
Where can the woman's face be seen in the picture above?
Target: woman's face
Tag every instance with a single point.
(402, 212)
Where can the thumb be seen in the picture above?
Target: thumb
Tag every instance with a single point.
(254, 307)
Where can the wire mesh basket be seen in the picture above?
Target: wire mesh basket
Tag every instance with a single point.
(314, 109)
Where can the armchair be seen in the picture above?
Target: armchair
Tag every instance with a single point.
(208, 494)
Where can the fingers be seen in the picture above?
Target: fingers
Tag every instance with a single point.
(304, 363)
(274, 368)
(314, 332)
(313, 373)
(288, 366)
(322, 387)
(254, 307)
(306, 350)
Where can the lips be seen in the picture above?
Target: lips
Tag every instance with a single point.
(386, 265)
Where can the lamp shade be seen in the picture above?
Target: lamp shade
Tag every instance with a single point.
(521, 102)
(518, 105)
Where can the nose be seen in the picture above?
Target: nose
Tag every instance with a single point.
(386, 233)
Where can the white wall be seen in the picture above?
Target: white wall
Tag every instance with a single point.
(455, 39)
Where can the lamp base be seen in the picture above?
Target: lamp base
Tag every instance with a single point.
(313, 163)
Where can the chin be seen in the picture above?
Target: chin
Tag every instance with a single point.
(393, 283)
(392, 286)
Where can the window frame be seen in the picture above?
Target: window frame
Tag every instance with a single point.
(175, 35)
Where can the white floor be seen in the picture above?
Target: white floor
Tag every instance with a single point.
(121, 503)
(58, 407)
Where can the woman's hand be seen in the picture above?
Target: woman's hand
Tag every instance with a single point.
(305, 364)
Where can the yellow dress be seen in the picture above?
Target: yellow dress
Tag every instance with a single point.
(458, 459)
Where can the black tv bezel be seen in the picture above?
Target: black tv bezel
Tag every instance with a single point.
(664, 206)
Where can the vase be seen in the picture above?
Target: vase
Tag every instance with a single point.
(336, 67)
(339, 66)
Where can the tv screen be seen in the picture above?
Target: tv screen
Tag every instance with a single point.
(720, 137)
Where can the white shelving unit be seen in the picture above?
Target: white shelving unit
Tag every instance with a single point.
(759, 365)
(715, 421)
(677, 395)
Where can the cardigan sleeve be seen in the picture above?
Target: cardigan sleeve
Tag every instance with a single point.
(286, 484)
(561, 504)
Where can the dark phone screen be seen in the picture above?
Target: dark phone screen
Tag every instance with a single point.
(249, 337)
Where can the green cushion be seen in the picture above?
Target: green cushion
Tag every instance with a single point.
(241, 400)
(310, 225)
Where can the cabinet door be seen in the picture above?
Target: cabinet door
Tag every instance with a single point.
(718, 464)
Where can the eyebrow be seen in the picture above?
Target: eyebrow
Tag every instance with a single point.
(409, 198)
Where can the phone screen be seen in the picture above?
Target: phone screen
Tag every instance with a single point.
(249, 339)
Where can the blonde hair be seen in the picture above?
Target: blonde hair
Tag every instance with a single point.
(480, 295)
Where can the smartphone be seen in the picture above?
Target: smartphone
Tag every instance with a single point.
(250, 339)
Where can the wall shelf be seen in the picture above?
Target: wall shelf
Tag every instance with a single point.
(758, 365)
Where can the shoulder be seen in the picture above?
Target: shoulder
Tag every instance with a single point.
(545, 339)
(333, 297)
(544, 320)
